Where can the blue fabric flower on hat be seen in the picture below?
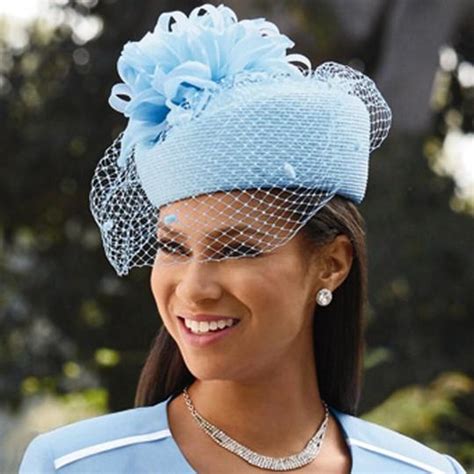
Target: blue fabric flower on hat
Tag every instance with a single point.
(166, 72)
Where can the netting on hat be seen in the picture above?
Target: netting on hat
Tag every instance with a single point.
(214, 226)
(240, 175)
(358, 84)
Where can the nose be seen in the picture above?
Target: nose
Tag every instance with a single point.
(199, 281)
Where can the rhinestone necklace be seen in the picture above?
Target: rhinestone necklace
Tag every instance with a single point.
(288, 463)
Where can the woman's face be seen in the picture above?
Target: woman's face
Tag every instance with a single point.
(272, 295)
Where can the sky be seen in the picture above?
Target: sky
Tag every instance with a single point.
(19, 13)
(23, 10)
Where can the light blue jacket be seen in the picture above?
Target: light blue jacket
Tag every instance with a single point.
(139, 441)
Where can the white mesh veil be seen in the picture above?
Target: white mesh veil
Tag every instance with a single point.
(238, 169)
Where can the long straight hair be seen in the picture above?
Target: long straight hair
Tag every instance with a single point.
(338, 328)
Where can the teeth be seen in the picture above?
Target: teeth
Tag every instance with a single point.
(201, 327)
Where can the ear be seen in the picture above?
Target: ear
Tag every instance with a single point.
(334, 262)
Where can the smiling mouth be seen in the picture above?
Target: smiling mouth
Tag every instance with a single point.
(203, 328)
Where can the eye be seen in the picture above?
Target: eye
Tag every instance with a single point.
(236, 250)
(171, 247)
(239, 250)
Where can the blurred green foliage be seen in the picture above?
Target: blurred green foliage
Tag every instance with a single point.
(433, 414)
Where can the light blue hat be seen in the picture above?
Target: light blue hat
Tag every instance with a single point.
(216, 105)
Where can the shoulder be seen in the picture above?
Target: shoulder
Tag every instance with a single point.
(373, 445)
(79, 441)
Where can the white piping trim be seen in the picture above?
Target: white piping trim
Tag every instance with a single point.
(392, 454)
(108, 445)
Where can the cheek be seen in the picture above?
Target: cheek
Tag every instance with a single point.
(155, 284)
(161, 289)
(274, 294)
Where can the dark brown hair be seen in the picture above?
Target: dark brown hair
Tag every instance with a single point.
(338, 328)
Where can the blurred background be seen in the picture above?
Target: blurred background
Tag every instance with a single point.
(73, 335)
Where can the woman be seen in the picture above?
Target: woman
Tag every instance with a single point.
(237, 180)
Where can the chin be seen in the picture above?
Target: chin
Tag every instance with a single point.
(204, 368)
(207, 368)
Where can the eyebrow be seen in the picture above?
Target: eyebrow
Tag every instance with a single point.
(238, 229)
